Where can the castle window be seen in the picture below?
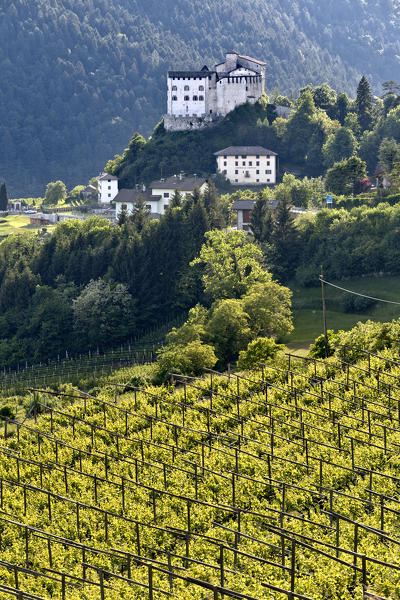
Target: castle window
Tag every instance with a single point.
(148, 206)
(225, 156)
(225, 171)
(195, 98)
(258, 163)
(250, 163)
(257, 172)
(201, 88)
(257, 180)
(186, 98)
(245, 156)
(186, 88)
(174, 88)
(174, 97)
(201, 97)
(268, 163)
(225, 163)
(268, 156)
(236, 180)
(236, 164)
(258, 156)
(109, 187)
(166, 194)
(268, 180)
(247, 89)
(244, 163)
(109, 195)
(236, 171)
(268, 172)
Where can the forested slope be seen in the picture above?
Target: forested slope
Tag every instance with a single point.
(79, 77)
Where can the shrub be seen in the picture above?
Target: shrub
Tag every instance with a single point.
(259, 350)
(355, 304)
(192, 359)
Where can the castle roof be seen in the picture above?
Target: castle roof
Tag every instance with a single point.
(186, 184)
(254, 60)
(107, 177)
(245, 150)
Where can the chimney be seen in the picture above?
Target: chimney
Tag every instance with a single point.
(143, 188)
(180, 176)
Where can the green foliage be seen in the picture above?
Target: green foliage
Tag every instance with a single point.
(3, 197)
(389, 153)
(56, 192)
(260, 350)
(344, 175)
(364, 104)
(191, 359)
(355, 304)
(104, 313)
(231, 264)
(339, 145)
(318, 350)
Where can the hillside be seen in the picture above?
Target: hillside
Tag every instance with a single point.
(279, 483)
(78, 78)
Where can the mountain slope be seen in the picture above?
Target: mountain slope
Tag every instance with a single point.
(78, 77)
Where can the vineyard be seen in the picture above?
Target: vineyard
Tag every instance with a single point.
(282, 482)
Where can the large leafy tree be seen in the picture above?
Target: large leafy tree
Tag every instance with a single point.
(56, 192)
(343, 176)
(339, 145)
(231, 264)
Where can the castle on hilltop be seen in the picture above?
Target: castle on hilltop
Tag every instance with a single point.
(198, 98)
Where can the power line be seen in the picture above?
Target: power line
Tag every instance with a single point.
(356, 293)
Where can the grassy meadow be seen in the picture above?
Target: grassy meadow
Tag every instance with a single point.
(18, 224)
(307, 308)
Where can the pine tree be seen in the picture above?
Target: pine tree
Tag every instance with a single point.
(176, 199)
(140, 214)
(3, 197)
(285, 239)
(364, 104)
(122, 216)
(257, 218)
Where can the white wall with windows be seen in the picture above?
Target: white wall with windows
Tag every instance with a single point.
(187, 96)
(255, 169)
(108, 189)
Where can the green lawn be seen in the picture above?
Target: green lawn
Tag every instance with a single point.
(307, 308)
(18, 224)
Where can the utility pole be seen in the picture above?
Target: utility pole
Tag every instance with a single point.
(321, 277)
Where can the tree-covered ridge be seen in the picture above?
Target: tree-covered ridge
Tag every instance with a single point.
(80, 77)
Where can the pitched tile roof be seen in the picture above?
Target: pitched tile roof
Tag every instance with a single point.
(186, 184)
(247, 150)
(107, 176)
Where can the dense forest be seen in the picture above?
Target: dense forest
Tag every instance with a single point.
(80, 77)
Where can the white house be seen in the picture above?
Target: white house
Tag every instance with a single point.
(159, 194)
(196, 98)
(247, 165)
(108, 188)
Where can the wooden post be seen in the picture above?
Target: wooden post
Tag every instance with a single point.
(101, 577)
(324, 311)
(293, 569)
(221, 565)
(137, 539)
